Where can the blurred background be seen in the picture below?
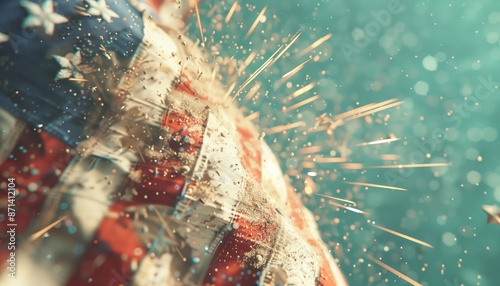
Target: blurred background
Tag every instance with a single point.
(441, 58)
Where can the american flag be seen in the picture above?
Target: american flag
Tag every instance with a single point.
(131, 165)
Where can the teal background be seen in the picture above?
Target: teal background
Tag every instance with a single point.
(449, 123)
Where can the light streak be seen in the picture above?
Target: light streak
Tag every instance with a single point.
(394, 271)
(410, 166)
(267, 63)
(46, 229)
(389, 157)
(314, 45)
(253, 116)
(403, 235)
(300, 104)
(253, 91)
(362, 109)
(338, 199)
(231, 11)
(379, 141)
(374, 185)
(255, 22)
(281, 128)
(319, 159)
(310, 150)
(199, 23)
(355, 210)
(352, 166)
(301, 91)
(291, 73)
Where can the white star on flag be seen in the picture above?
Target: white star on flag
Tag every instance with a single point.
(42, 16)
(3, 38)
(99, 8)
(69, 66)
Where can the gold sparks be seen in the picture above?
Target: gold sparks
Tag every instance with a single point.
(45, 229)
(314, 45)
(374, 185)
(363, 109)
(307, 165)
(355, 210)
(340, 119)
(253, 116)
(302, 103)
(77, 79)
(379, 142)
(255, 22)
(389, 157)
(294, 38)
(403, 236)
(319, 159)
(394, 271)
(281, 128)
(231, 11)
(375, 110)
(267, 63)
(253, 90)
(410, 166)
(310, 150)
(230, 90)
(301, 91)
(199, 23)
(166, 226)
(243, 66)
(291, 73)
(352, 166)
(338, 199)
(250, 58)
(179, 252)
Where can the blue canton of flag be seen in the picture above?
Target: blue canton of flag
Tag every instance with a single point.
(52, 54)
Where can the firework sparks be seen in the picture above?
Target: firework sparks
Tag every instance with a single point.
(310, 150)
(379, 142)
(403, 236)
(314, 45)
(166, 226)
(338, 199)
(302, 103)
(375, 110)
(199, 23)
(352, 166)
(253, 91)
(267, 64)
(363, 109)
(355, 210)
(410, 166)
(319, 159)
(300, 91)
(394, 271)
(231, 88)
(294, 38)
(231, 11)
(281, 128)
(307, 165)
(249, 59)
(291, 73)
(389, 157)
(256, 22)
(374, 185)
(46, 229)
(253, 116)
